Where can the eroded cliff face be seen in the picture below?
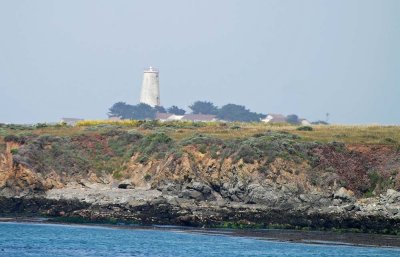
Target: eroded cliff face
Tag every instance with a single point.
(19, 179)
(266, 180)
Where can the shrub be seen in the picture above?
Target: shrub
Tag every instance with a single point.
(117, 175)
(147, 177)
(320, 122)
(61, 125)
(143, 159)
(41, 125)
(14, 151)
(156, 144)
(3, 132)
(19, 127)
(199, 139)
(267, 146)
(177, 153)
(305, 128)
(214, 151)
(389, 140)
(203, 149)
(3, 148)
(150, 124)
(15, 138)
(263, 169)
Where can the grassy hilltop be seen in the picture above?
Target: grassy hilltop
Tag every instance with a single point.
(361, 134)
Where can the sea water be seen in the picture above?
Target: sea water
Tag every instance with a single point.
(27, 239)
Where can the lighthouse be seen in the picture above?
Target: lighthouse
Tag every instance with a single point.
(150, 93)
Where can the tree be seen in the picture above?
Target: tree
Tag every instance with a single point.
(143, 112)
(176, 110)
(160, 109)
(292, 119)
(137, 112)
(203, 107)
(121, 110)
(234, 112)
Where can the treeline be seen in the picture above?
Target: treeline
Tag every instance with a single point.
(228, 112)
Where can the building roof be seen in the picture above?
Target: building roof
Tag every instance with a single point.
(186, 117)
(175, 117)
(275, 118)
(162, 115)
(199, 117)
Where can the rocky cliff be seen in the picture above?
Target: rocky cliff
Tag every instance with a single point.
(269, 179)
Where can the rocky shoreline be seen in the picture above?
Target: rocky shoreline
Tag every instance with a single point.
(195, 206)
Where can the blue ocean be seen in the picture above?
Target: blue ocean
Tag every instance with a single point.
(29, 239)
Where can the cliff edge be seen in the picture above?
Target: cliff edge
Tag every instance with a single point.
(201, 177)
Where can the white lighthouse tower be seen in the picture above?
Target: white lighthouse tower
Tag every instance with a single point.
(150, 87)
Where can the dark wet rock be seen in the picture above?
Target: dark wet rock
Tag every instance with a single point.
(126, 184)
(197, 191)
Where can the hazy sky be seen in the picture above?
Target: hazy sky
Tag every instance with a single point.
(77, 58)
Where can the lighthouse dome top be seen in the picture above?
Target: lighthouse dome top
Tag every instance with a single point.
(151, 69)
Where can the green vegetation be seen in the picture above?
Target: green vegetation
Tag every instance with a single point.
(157, 144)
(3, 132)
(139, 112)
(147, 177)
(176, 110)
(204, 107)
(117, 175)
(305, 128)
(377, 135)
(228, 112)
(234, 112)
(14, 151)
(2, 147)
(292, 119)
(267, 147)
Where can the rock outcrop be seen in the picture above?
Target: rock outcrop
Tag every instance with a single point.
(294, 186)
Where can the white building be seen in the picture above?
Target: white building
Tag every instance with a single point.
(150, 87)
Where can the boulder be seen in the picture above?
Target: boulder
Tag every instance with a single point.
(197, 191)
(126, 184)
(201, 187)
(262, 195)
(391, 197)
(192, 194)
(344, 195)
(169, 188)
